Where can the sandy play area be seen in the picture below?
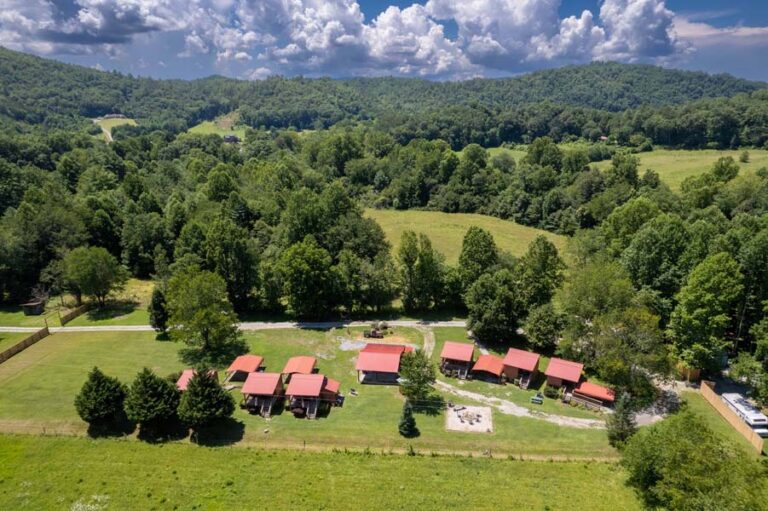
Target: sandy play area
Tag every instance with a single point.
(469, 419)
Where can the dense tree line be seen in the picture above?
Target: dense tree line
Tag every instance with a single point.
(670, 107)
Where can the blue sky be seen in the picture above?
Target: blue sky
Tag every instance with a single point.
(435, 39)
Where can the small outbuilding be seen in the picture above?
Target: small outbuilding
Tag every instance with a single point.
(563, 372)
(488, 368)
(262, 391)
(592, 395)
(310, 394)
(242, 366)
(299, 365)
(187, 375)
(380, 363)
(33, 308)
(456, 359)
(521, 366)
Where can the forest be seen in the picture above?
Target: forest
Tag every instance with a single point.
(655, 278)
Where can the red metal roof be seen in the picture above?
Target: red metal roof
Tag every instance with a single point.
(373, 347)
(596, 391)
(490, 364)
(378, 362)
(186, 375)
(564, 369)
(246, 364)
(521, 359)
(262, 384)
(305, 385)
(332, 386)
(300, 365)
(458, 351)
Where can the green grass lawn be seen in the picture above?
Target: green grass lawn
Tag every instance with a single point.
(38, 386)
(13, 316)
(447, 230)
(107, 125)
(213, 127)
(128, 307)
(9, 339)
(79, 473)
(700, 406)
(509, 392)
(674, 166)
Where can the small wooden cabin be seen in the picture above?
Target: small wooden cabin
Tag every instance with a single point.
(456, 359)
(242, 366)
(592, 395)
(262, 392)
(380, 363)
(521, 366)
(563, 372)
(33, 308)
(488, 368)
(311, 394)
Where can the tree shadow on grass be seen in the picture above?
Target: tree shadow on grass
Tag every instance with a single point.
(112, 310)
(165, 432)
(195, 357)
(432, 405)
(222, 433)
(117, 428)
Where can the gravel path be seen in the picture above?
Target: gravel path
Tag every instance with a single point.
(510, 408)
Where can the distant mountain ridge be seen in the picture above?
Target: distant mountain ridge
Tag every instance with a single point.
(37, 91)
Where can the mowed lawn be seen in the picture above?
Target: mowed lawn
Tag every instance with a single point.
(128, 307)
(78, 473)
(674, 166)
(38, 386)
(7, 340)
(447, 230)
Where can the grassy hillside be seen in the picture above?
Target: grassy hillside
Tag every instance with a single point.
(107, 125)
(446, 230)
(675, 165)
(76, 473)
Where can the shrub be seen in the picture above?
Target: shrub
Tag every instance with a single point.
(101, 398)
(744, 156)
(204, 401)
(151, 400)
(551, 392)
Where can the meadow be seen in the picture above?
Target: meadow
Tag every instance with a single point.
(447, 230)
(108, 124)
(38, 386)
(77, 473)
(674, 165)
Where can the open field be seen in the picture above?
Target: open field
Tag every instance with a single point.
(128, 307)
(108, 124)
(447, 230)
(674, 166)
(38, 386)
(213, 127)
(9, 339)
(59, 473)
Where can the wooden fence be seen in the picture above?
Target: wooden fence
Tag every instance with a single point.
(26, 343)
(708, 393)
(69, 316)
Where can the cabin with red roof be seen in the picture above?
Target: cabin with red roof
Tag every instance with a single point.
(380, 363)
(299, 365)
(187, 375)
(521, 366)
(488, 368)
(456, 359)
(592, 395)
(563, 372)
(311, 394)
(262, 392)
(242, 366)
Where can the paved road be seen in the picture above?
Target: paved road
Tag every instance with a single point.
(248, 325)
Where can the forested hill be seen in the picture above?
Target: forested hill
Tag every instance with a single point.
(37, 91)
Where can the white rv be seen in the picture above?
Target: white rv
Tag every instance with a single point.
(748, 412)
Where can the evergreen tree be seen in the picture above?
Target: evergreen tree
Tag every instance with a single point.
(621, 423)
(158, 309)
(204, 401)
(151, 400)
(407, 426)
(100, 401)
